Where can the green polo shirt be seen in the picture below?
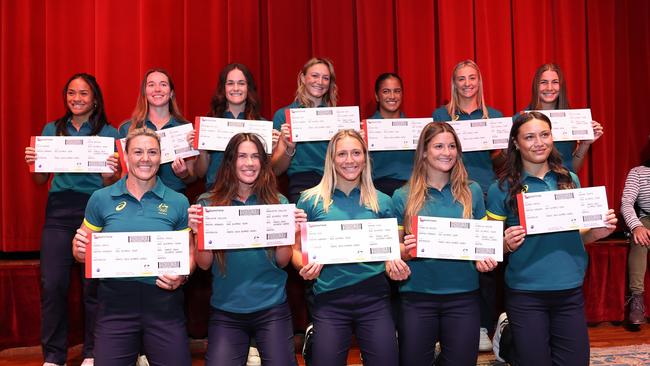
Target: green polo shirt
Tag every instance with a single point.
(391, 164)
(478, 163)
(79, 182)
(253, 281)
(165, 172)
(335, 276)
(566, 148)
(543, 262)
(440, 276)
(114, 209)
(310, 156)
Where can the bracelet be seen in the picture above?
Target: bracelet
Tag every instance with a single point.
(287, 153)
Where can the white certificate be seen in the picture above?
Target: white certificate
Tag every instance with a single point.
(72, 154)
(138, 254)
(393, 133)
(320, 124)
(349, 241)
(570, 124)
(447, 238)
(215, 133)
(483, 134)
(562, 210)
(255, 226)
(173, 144)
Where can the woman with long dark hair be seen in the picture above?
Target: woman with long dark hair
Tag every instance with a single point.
(69, 192)
(549, 91)
(545, 272)
(248, 285)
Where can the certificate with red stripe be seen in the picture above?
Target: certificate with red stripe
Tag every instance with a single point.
(215, 133)
(72, 154)
(137, 254)
(320, 124)
(562, 210)
(464, 239)
(349, 241)
(250, 226)
(393, 133)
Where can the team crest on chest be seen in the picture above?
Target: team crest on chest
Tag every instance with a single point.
(162, 208)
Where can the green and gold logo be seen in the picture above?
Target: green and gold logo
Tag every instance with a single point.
(524, 189)
(120, 206)
(162, 208)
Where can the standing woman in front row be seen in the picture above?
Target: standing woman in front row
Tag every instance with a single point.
(139, 312)
(440, 300)
(549, 92)
(303, 162)
(351, 297)
(544, 276)
(66, 201)
(156, 109)
(248, 285)
(391, 169)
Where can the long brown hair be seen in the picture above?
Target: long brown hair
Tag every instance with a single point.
(141, 111)
(219, 103)
(562, 101)
(224, 190)
(417, 184)
(513, 168)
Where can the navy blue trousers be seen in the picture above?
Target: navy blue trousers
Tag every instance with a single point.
(135, 316)
(452, 319)
(229, 336)
(363, 309)
(63, 216)
(548, 327)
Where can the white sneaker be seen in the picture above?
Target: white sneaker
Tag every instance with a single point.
(88, 362)
(501, 324)
(253, 357)
(484, 343)
(142, 361)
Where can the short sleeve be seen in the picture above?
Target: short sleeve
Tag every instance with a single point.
(399, 205)
(283, 199)
(575, 179)
(182, 219)
(279, 118)
(441, 115)
(306, 205)
(478, 204)
(496, 208)
(49, 129)
(385, 205)
(93, 217)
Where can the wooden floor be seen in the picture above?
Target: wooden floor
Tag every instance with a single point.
(602, 335)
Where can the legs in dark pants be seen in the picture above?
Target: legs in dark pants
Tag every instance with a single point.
(229, 335)
(90, 312)
(548, 327)
(363, 308)
(427, 318)
(134, 314)
(488, 287)
(63, 216)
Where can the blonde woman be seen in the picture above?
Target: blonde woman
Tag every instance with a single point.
(350, 297)
(304, 162)
(440, 300)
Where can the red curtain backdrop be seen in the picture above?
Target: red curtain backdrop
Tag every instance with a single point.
(602, 45)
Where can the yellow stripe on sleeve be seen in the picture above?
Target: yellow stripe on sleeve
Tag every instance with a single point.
(91, 226)
(494, 216)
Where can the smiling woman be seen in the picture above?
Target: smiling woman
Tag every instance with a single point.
(156, 109)
(304, 163)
